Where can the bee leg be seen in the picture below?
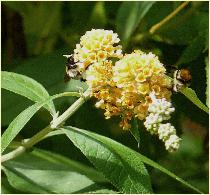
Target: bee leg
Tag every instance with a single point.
(175, 88)
(66, 78)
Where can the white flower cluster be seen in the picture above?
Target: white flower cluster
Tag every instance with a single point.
(159, 111)
(161, 107)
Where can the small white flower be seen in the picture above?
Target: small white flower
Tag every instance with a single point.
(151, 123)
(172, 144)
(160, 106)
(165, 130)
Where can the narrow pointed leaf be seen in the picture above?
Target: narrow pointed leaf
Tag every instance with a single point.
(130, 15)
(194, 49)
(70, 164)
(118, 163)
(26, 87)
(191, 95)
(20, 121)
(39, 172)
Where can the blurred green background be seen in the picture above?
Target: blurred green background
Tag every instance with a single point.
(35, 35)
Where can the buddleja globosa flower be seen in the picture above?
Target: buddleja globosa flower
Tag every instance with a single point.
(131, 86)
(138, 74)
(93, 56)
(99, 79)
(96, 45)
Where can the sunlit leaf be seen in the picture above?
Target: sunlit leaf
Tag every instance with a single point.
(39, 172)
(49, 71)
(20, 121)
(118, 164)
(6, 188)
(191, 95)
(121, 165)
(129, 16)
(26, 87)
(70, 164)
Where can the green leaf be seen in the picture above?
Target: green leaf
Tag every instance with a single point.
(110, 157)
(135, 130)
(129, 16)
(194, 49)
(19, 122)
(39, 172)
(98, 15)
(117, 162)
(26, 87)
(6, 188)
(191, 95)
(90, 172)
(191, 146)
(20, 182)
(103, 191)
(207, 80)
(48, 70)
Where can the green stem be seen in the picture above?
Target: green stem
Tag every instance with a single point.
(27, 144)
(155, 27)
(41, 134)
(18, 151)
(37, 137)
(71, 110)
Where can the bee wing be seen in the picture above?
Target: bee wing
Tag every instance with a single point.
(67, 56)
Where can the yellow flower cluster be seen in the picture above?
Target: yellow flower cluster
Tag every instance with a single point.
(96, 45)
(141, 73)
(131, 85)
(122, 87)
(138, 74)
(99, 79)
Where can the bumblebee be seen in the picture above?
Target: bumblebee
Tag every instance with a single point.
(71, 69)
(182, 78)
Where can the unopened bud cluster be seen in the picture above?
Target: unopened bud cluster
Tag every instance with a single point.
(159, 111)
(129, 85)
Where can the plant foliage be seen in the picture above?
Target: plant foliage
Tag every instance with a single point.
(103, 158)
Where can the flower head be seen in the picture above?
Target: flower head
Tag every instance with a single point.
(141, 73)
(172, 144)
(96, 45)
(133, 85)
